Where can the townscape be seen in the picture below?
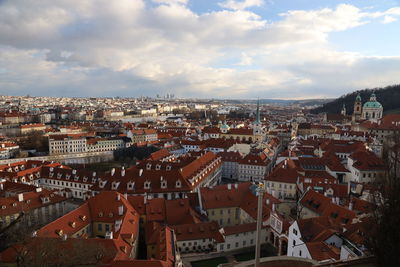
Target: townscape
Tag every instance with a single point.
(171, 182)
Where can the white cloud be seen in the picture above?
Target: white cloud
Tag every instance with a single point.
(245, 60)
(388, 19)
(171, 2)
(241, 5)
(100, 47)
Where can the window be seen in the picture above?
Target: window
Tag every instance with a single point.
(100, 227)
(294, 242)
(237, 244)
(107, 227)
(300, 253)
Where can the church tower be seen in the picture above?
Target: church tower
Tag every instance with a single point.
(343, 110)
(357, 108)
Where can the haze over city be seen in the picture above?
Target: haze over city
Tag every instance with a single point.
(198, 48)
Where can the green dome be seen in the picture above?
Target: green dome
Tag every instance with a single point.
(224, 126)
(372, 104)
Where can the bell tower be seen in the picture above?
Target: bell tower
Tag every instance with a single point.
(357, 108)
(343, 110)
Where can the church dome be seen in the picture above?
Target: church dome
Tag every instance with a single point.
(224, 126)
(372, 103)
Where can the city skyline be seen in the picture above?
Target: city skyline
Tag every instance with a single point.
(198, 49)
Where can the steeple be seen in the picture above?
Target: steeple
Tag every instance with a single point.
(344, 110)
(258, 121)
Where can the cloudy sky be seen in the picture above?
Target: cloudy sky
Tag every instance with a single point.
(198, 48)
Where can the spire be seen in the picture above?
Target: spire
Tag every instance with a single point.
(358, 98)
(344, 110)
(258, 121)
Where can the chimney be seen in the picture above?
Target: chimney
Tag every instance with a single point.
(236, 186)
(109, 235)
(94, 174)
(20, 197)
(38, 189)
(333, 200)
(229, 186)
(112, 171)
(125, 195)
(118, 197)
(267, 202)
(200, 200)
(348, 187)
(121, 210)
(273, 207)
(122, 172)
(1, 186)
(337, 200)
(64, 237)
(351, 205)
(140, 172)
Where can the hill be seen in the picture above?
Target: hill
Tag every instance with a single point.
(389, 97)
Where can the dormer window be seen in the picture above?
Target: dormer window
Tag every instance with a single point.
(158, 166)
(131, 185)
(45, 199)
(100, 214)
(51, 175)
(148, 166)
(59, 175)
(37, 174)
(147, 185)
(85, 179)
(76, 178)
(102, 184)
(164, 184)
(67, 176)
(178, 184)
(114, 185)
